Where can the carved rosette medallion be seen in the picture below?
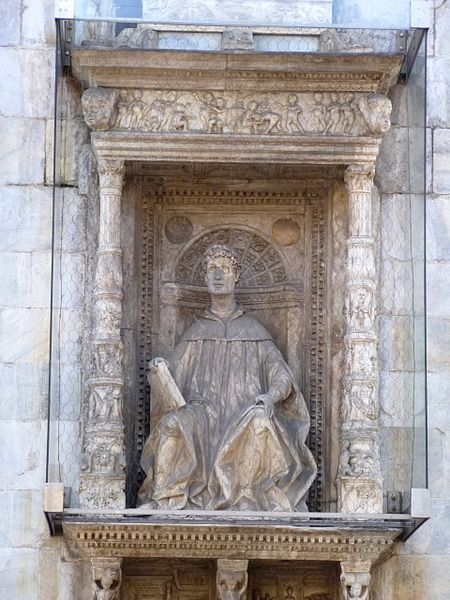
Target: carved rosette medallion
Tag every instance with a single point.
(102, 470)
(359, 480)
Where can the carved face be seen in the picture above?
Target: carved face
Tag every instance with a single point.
(355, 590)
(221, 277)
(99, 108)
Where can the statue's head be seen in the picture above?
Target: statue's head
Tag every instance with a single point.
(222, 269)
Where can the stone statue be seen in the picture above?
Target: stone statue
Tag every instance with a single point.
(238, 440)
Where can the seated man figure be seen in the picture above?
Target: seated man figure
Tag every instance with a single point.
(238, 443)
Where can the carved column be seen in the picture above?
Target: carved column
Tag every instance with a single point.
(355, 580)
(359, 478)
(106, 578)
(102, 481)
(232, 579)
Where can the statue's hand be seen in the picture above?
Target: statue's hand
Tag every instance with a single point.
(267, 401)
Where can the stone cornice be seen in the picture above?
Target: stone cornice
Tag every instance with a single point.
(170, 147)
(226, 541)
(244, 71)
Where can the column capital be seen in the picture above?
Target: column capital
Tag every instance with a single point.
(359, 177)
(111, 172)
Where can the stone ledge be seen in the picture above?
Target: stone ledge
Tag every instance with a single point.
(259, 536)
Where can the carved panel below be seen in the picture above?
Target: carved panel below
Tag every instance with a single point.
(196, 580)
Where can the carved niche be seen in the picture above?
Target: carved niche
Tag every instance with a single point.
(281, 240)
(197, 580)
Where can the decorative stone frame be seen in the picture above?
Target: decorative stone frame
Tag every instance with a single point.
(120, 108)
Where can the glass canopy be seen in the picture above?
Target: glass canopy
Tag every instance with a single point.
(280, 13)
(402, 217)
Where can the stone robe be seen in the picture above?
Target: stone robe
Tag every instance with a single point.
(221, 451)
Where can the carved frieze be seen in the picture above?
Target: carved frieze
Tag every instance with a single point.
(320, 113)
(176, 111)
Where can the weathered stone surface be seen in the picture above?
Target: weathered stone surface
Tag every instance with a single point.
(10, 23)
(441, 161)
(438, 395)
(438, 228)
(22, 94)
(22, 151)
(15, 268)
(438, 102)
(441, 29)
(396, 291)
(439, 464)
(438, 277)
(396, 343)
(25, 508)
(18, 573)
(40, 279)
(396, 397)
(71, 135)
(26, 222)
(392, 174)
(70, 581)
(37, 22)
(417, 578)
(24, 391)
(23, 465)
(24, 335)
(438, 336)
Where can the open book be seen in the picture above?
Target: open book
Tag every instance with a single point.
(164, 389)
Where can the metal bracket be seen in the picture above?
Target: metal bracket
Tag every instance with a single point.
(413, 41)
(394, 503)
(66, 33)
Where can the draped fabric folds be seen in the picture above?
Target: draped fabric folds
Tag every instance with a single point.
(221, 450)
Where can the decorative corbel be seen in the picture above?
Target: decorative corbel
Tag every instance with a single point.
(106, 578)
(232, 579)
(100, 108)
(355, 580)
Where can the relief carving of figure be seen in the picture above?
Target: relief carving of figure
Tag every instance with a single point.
(107, 587)
(237, 441)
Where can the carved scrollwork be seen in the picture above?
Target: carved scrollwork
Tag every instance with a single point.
(103, 455)
(358, 459)
(261, 264)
